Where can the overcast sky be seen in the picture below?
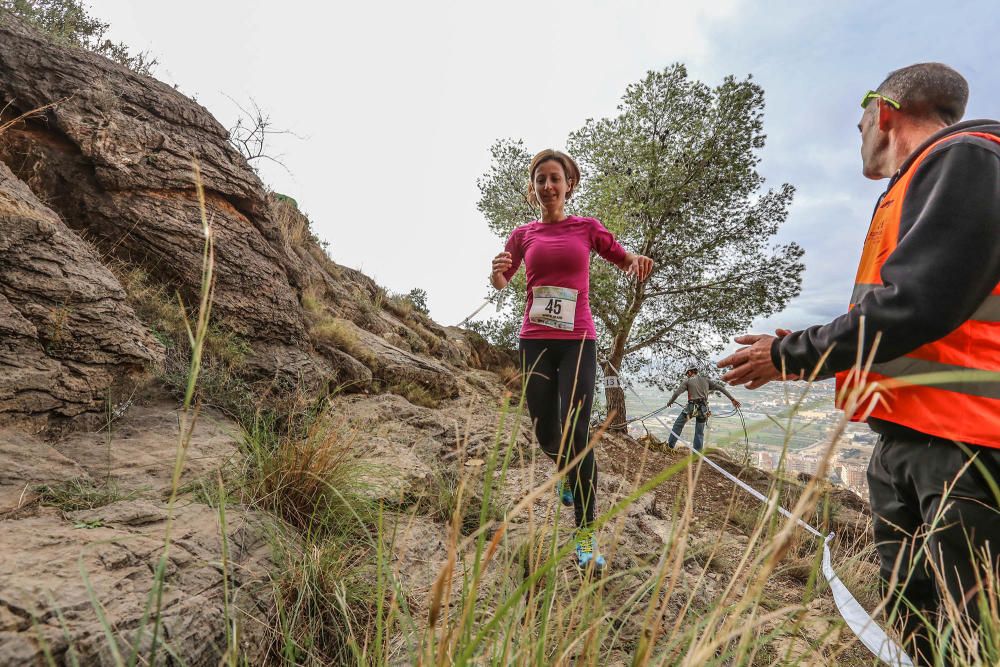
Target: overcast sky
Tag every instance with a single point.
(396, 104)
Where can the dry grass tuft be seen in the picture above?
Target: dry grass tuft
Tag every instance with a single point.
(312, 300)
(154, 304)
(326, 600)
(337, 332)
(294, 226)
(81, 494)
(415, 393)
(310, 482)
(222, 350)
(511, 378)
(400, 306)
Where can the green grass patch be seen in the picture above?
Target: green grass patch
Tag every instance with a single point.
(81, 494)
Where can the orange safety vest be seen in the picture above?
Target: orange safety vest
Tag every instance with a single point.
(963, 403)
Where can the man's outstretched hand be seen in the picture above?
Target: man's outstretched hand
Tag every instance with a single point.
(752, 365)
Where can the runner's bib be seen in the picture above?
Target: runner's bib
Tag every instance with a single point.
(553, 307)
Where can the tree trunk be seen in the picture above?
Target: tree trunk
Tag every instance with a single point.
(615, 398)
(614, 387)
(614, 394)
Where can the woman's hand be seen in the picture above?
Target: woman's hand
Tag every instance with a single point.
(501, 263)
(638, 265)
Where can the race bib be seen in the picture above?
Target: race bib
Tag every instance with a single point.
(553, 307)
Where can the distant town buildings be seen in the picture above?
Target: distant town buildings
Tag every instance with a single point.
(854, 477)
(848, 468)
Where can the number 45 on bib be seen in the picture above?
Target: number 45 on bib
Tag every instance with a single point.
(553, 307)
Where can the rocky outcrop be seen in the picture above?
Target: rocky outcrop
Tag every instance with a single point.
(98, 187)
(55, 562)
(478, 353)
(113, 156)
(66, 333)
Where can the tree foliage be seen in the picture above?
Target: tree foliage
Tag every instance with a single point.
(69, 22)
(674, 175)
(418, 298)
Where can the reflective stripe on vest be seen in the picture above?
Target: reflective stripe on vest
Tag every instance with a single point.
(950, 387)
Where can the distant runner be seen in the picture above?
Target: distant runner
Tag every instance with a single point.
(697, 387)
(557, 341)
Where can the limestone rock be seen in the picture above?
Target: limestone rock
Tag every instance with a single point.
(49, 562)
(478, 353)
(49, 558)
(66, 333)
(115, 158)
(395, 366)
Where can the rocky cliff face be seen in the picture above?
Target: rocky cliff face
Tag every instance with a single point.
(66, 333)
(113, 160)
(98, 210)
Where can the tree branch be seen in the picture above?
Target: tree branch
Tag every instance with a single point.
(715, 284)
(655, 336)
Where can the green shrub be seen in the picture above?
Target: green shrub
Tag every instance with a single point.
(69, 22)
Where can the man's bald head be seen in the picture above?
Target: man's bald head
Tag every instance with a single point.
(931, 91)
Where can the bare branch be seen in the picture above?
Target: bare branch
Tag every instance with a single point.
(251, 133)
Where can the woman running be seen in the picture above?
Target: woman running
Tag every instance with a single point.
(558, 348)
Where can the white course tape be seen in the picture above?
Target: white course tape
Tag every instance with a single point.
(864, 626)
(485, 303)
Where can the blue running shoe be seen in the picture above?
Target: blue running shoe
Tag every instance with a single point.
(586, 550)
(565, 493)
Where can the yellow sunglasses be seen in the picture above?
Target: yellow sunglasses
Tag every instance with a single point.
(871, 94)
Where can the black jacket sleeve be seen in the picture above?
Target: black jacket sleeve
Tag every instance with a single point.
(946, 263)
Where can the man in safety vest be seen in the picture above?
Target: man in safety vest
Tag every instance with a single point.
(697, 387)
(926, 312)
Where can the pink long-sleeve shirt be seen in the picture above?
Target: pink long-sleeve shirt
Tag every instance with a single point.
(556, 256)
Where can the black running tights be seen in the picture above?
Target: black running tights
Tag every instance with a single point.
(560, 393)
